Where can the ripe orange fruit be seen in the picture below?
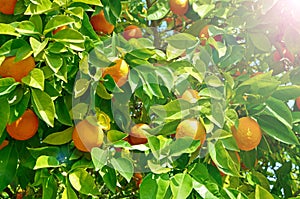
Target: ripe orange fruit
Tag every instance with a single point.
(132, 31)
(59, 29)
(86, 136)
(17, 70)
(192, 128)
(248, 134)
(100, 24)
(4, 144)
(119, 72)
(25, 127)
(138, 177)
(137, 134)
(7, 6)
(298, 102)
(190, 95)
(179, 7)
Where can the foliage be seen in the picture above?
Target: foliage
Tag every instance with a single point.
(67, 86)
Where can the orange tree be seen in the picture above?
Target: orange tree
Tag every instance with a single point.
(62, 61)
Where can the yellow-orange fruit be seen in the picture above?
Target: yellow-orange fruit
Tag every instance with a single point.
(4, 144)
(248, 134)
(16, 70)
(132, 31)
(179, 7)
(87, 136)
(100, 24)
(298, 102)
(24, 127)
(119, 72)
(190, 95)
(138, 134)
(191, 128)
(7, 6)
(204, 35)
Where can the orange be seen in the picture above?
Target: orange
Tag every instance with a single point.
(298, 102)
(190, 95)
(119, 72)
(138, 177)
(4, 144)
(86, 136)
(138, 134)
(179, 7)
(192, 128)
(24, 127)
(7, 6)
(248, 134)
(132, 31)
(17, 70)
(100, 24)
(59, 29)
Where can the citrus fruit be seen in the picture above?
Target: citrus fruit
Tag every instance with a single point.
(192, 128)
(100, 24)
(119, 72)
(4, 144)
(285, 53)
(298, 102)
(7, 6)
(179, 7)
(59, 29)
(24, 127)
(87, 136)
(190, 95)
(132, 31)
(138, 177)
(16, 70)
(138, 134)
(248, 134)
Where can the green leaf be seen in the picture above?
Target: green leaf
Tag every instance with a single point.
(35, 79)
(46, 151)
(115, 135)
(182, 40)
(81, 86)
(222, 159)
(62, 112)
(261, 41)
(91, 2)
(203, 191)
(154, 186)
(59, 138)
(69, 35)
(38, 7)
(109, 177)
(83, 182)
(7, 29)
(181, 185)
(203, 9)
(124, 167)
(99, 157)
(286, 93)
(55, 62)
(277, 130)
(8, 165)
(102, 92)
(26, 28)
(50, 188)
(280, 111)
(46, 162)
(44, 106)
(7, 85)
(4, 114)
(69, 192)
(57, 21)
(261, 193)
(158, 10)
(37, 46)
